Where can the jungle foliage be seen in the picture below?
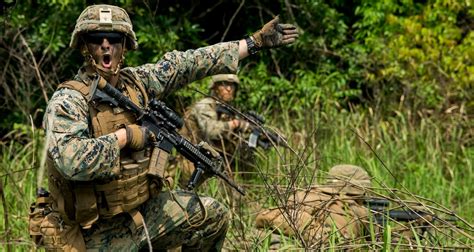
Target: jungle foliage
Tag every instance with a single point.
(388, 55)
(398, 74)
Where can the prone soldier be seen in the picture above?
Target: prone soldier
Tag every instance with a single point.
(342, 208)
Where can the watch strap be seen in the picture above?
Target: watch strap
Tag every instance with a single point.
(251, 47)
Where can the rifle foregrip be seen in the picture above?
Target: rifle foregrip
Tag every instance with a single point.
(191, 152)
(195, 177)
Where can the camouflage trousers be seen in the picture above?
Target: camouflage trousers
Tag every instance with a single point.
(172, 219)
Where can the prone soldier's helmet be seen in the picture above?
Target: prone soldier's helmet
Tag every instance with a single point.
(350, 179)
(216, 79)
(104, 18)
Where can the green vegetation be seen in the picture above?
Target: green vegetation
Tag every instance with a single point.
(413, 159)
(387, 85)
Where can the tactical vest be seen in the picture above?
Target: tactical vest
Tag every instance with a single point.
(86, 202)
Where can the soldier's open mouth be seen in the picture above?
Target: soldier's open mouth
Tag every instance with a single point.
(106, 61)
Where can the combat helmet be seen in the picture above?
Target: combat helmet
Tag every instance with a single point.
(349, 179)
(104, 18)
(224, 78)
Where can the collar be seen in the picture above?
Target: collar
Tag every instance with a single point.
(86, 74)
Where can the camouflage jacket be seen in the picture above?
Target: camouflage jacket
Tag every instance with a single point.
(78, 155)
(205, 118)
(316, 214)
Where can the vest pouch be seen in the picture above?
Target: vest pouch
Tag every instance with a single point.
(127, 192)
(59, 236)
(156, 170)
(86, 205)
(38, 211)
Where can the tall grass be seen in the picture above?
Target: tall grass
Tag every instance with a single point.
(412, 156)
(20, 152)
(423, 160)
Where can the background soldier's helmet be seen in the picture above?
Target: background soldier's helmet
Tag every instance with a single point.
(349, 179)
(224, 78)
(104, 18)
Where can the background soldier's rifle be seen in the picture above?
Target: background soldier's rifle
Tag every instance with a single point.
(163, 123)
(260, 135)
(379, 208)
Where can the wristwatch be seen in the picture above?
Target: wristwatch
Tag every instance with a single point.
(251, 47)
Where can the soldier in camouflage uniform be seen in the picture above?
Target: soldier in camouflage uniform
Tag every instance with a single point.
(101, 197)
(335, 207)
(204, 122)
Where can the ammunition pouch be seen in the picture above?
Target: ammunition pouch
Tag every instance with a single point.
(127, 192)
(59, 236)
(38, 211)
(48, 229)
(140, 177)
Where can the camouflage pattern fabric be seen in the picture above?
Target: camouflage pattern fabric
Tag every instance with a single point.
(210, 127)
(79, 156)
(104, 18)
(316, 215)
(233, 78)
(165, 218)
(75, 153)
(202, 123)
(214, 128)
(349, 179)
(334, 209)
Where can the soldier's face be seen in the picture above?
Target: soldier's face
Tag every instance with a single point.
(226, 91)
(105, 48)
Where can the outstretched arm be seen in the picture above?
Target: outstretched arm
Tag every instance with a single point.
(243, 51)
(177, 69)
(272, 35)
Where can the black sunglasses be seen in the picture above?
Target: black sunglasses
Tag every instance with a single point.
(98, 37)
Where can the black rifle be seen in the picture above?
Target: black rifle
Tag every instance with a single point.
(381, 214)
(163, 123)
(259, 136)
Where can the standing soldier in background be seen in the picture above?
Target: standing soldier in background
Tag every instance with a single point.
(101, 194)
(204, 121)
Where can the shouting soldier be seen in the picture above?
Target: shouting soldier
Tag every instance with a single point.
(100, 194)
